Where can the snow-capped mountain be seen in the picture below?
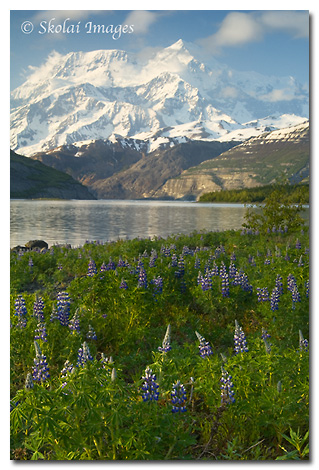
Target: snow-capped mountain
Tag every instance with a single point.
(171, 96)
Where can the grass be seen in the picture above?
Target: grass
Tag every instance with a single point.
(97, 412)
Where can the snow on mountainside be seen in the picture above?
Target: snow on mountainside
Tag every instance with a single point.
(105, 94)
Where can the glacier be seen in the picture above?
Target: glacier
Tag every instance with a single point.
(170, 97)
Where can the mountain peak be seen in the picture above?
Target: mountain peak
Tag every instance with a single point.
(177, 45)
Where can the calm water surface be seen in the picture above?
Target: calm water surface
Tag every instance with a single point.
(76, 221)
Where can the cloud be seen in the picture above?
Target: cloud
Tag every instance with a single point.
(229, 92)
(61, 15)
(239, 28)
(235, 30)
(279, 95)
(291, 22)
(142, 20)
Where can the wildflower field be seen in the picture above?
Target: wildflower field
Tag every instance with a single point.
(190, 347)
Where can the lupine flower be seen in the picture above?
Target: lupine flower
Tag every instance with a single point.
(232, 270)
(298, 244)
(227, 393)
(264, 336)
(65, 372)
(142, 278)
(91, 333)
(91, 268)
(197, 263)
(225, 285)
(29, 382)
(30, 263)
(63, 306)
(74, 323)
(244, 282)
(121, 263)
(158, 285)
(38, 307)
(40, 369)
(110, 265)
(150, 387)
(262, 294)
(300, 263)
(20, 311)
(274, 299)
(178, 397)
(181, 267)
(239, 339)
(205, 349)
(303, 343)
(41, 332)
(295, 296)
(279, 284)
(307, 288)
(106, 362)
(187, 251)
(166, 341)
(222, 269)
(84, 355)
(174, 260)
(152, 261)
(214, 270)
(123, 284)
(204, 281)
(103, 267)
(67, 369)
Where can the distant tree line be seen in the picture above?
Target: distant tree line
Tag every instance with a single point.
(294, 194)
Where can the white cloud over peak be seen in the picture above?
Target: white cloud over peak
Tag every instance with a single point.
(239, 28)
(141, 20)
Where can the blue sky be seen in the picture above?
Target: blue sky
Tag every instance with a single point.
(272, 42)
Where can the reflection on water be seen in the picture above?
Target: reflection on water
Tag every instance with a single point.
(75, 222)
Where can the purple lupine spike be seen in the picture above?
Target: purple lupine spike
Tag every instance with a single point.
(150, 386)
(91, 268)
(20, 311)
(123, 284)
(240, 343)
(178, 397)
(84, 355)
(166, 346)
(38, 307)
(91, 333)
(63, 307)
(303, 343)
(142, 278)
(158, 285)
(74, 323)
(205, 349)
(225, 285)
(227, 393)
(40, 369)
(274, 299)
(41, 332)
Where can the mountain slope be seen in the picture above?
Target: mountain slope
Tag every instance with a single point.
(32, 179)
(259, 161)
(145, 177)
(108, 93)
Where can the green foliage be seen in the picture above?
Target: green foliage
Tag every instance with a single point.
(94, 413)
(277, 211)
(297, 193)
